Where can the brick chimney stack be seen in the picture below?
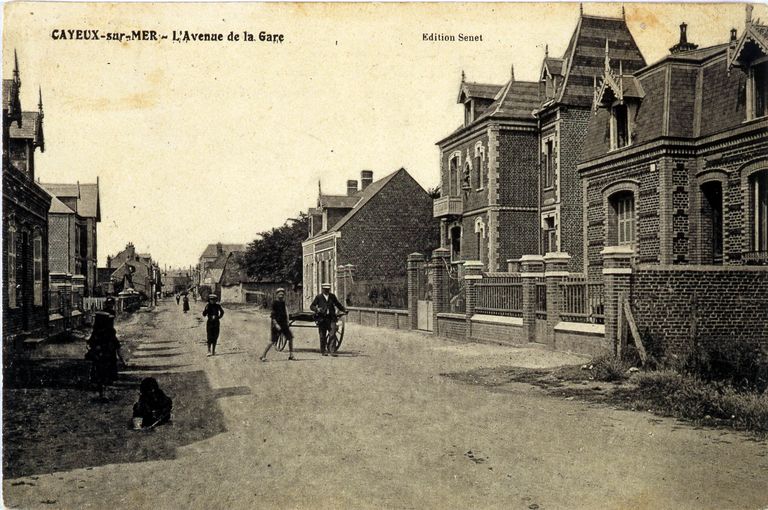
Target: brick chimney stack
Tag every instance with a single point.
(683, 45)
(366, 178)
(219, 249)
(351, 187)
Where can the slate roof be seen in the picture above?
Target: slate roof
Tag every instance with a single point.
(234, 273)
(59, 207)
(517, 99)
(30, 129)
(8, 96)
(210, 250)
(478, 90)
(338, 201)
(554, 66)
(88, 203)
(366, 195)
(585, 56)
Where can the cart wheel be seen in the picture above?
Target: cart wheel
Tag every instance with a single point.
(281, 341)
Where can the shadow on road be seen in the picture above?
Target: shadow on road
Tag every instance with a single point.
(50, 422)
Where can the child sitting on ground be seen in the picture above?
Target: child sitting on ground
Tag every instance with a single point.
(154, 406)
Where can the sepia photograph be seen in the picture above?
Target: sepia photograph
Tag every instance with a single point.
(385, 255)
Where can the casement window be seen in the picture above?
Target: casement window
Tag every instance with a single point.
(453, 177)
(712, 222)
(455, 244)
(549, 163)
(478, 170)
(759, 192)
(757, 90)
(466, 177)
(550, 232)
(621, 135)
(37, 257)
(11, 243)
(624, 204)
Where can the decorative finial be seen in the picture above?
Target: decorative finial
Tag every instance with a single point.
(512, 72)
(748, 20)
(16, 77)
(581, 9)
(546, 50)
(623, 14)
(40, 100)
(463, 76)
(607, 58)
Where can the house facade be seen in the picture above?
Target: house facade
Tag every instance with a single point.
(210, 254)
(676, 156)
(25, 222)
(509, 179)
(372, 229)
(84, 201)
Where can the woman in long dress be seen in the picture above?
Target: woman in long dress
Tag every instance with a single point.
(103, 352)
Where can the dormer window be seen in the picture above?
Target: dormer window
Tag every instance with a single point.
(757, 86)
(621, 135)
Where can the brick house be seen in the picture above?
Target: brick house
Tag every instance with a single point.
(213, 252)
(488, 175)
(676, 156)
(76, 234)
(566, 90)
(373, 229)
(509, 180)
(25, 222)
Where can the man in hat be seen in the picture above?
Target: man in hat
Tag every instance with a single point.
(214, 312)
(325, 305)
(279, 320)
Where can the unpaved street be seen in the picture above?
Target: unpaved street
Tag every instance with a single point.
(377, 427)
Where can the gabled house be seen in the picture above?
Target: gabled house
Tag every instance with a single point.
(211, 276)
(372, 229)
(675, 163)
(25, 222)
(213, 252)
(566, 89)
(85, 201)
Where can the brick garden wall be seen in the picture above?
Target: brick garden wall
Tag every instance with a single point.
(730, 304)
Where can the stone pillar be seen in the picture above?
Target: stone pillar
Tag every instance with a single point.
(617, 276)
(341, 283)
(440, 299)
(555, 271)
(58, 284)
(473, 273)
(513, 265)
(531, 269)
(443, 233)
(415, 266)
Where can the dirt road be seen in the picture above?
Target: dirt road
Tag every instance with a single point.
(377, 427)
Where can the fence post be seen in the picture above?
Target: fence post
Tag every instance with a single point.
(473, 273)
(440, 260)
(415, 265)
(617, 276)
(531, 269)
(513, 265)
(555, 271)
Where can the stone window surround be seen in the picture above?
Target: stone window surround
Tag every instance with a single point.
(751, 89)
(555, 216)
(12, 241)
(544, 141)
(455, 155)
(702, 178)
(747, 171)
(624, 185)
(480, 151)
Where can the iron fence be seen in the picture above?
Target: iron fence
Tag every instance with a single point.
(500, 295)
(582, 301)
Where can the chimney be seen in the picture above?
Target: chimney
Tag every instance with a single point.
(683, 45)
(351, 187)
(366, 178)
(219, 249)
(733, 35)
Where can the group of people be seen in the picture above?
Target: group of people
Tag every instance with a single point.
(153, 406)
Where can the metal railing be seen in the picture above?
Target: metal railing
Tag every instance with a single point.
(755, 258)
(93, 304)
(541, 299)
(582, 301)
(500, 295)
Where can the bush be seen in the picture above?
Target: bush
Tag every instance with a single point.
(690, 397)
(609, 368)
(739, 364)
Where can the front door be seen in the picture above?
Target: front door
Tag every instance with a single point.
(424, 305)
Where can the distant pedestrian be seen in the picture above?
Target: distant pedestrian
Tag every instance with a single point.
(109, 306)
(279, 325)
(103, 352)
(214, 312)
(185, 304)
(153, 408)
(178, 298)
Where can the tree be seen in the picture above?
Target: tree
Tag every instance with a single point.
(275, 255)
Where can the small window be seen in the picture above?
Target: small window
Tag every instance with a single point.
(549, 163)
(712, 222)
(478, 170)
(37, 256)
(759, 192)
(620, 127)
(466, 177)
(758, 83)
(551, 234)
(11, 243)
(453, 177)
(455, 244)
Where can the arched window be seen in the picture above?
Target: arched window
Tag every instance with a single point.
(455, 243)
(712, 222)
(621, 221)
(11, 244)
(37, 270)
(466, 177)
(453, 177)
(479, 156)
(758, 188)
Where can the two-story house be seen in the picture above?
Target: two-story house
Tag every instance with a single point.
(488, 175)
(676, 155)
(25, 221)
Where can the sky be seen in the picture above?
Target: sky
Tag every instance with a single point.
(200, 142)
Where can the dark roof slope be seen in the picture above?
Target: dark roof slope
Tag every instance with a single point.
(338, 201)
(585, 56)
(87, 195)
(479, 90)
(30, 127)
(211, 250)
(234, 273)
(518, 99)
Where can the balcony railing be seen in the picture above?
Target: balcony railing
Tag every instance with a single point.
(755, 258)
(447, 206)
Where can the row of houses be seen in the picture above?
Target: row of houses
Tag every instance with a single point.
(606, 167)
